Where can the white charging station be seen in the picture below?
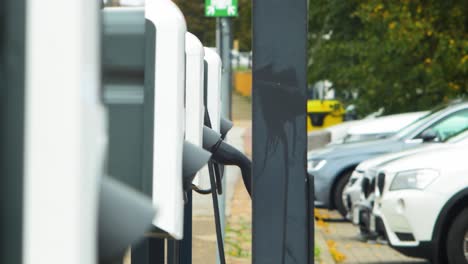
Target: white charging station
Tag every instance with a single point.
(65, 134)
(194, 93)
(213, 89)
(169, 121)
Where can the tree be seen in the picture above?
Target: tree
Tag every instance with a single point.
(205, 28)
(242, 25)
(202, 27)
(401, 54)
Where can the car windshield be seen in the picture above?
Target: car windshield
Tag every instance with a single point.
(415, 125)
(419, 122)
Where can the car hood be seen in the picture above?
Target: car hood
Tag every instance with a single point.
(357, 148)
(387, 158)
(449, 158)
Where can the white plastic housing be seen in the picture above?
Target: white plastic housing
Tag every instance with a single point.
(65, 133)
(169, 113)
(214, 87)
(194, 93)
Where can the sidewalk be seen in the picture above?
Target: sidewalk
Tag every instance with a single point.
(237, 203)
(204, 233)
(238, 238)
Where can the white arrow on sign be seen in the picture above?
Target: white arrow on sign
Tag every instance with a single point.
(222, 4)
(211, 10)
(231, 10)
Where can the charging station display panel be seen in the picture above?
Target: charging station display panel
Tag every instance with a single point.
(123, 63)
(168, 75)
(65, 133)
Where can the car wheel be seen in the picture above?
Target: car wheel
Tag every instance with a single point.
(338, 193)
(457, 239)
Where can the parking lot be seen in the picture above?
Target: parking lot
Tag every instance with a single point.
(337, 238)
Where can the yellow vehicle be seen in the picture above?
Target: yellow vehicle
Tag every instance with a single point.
(324, 113)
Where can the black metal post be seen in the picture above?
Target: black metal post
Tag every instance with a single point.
(311, 217)
(180, 252)
(12, 89)
(186, 244)
(280, 198)
(145, 253)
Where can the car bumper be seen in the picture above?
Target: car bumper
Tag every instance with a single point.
(408, 221)
(322, 185)
(370, 225)
(351, 197)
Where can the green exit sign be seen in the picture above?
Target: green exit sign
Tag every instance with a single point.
(221, 8)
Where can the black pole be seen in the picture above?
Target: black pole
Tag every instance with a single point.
(280, 206)
(148, 251)
(180, 252)
(186, 243)
(311, 217)
(12, 91)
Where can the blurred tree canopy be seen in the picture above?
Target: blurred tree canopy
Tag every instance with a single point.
(404, 55)
(202, 27)
(205, 28)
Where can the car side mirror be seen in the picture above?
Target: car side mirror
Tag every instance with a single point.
(429, 135)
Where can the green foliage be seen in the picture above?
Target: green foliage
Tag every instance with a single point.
(238, 239)
(404, 55)
(202, 27)
(317, 253)
(242, 25)
(205, 28)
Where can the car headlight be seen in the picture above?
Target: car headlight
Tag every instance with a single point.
(413, 179)
(315, 165)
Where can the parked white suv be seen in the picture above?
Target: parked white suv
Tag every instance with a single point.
(358, 193)
(422, 204)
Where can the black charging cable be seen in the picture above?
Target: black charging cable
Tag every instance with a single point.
(219, 231)
(215, 183)
(215, 166)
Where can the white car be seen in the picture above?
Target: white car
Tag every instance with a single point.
(359, 194)
(338, 132)
(371, 127)
(360, 188)
(354, 193)
(421, 204)
(381, 127)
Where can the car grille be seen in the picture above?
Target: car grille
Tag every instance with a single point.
(372, 186)
(365, 186)
(368, 186)
(381, 182)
